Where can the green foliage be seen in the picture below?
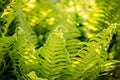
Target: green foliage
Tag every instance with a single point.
(59, 40)
(5, 46)
(93, 55)
(54, 58)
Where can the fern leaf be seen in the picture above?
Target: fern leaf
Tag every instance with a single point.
(54, 58)
(22, 57)
(72, 41)
(5, 46)
(93, 55)
(22, 22)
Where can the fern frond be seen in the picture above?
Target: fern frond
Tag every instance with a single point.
(54, 58)
(91, 57)
(5, 61)
(23, 55)
(22, 23)
(72, 41)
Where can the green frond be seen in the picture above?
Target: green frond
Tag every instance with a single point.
(5, 61)
(54, 58)
(21, 22)
(72, 41)
(93, 55)
(21, 57)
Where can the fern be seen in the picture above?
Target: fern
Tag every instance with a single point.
(5, 61)
(22, 22)
(72, 42)
(17, 54)
(22, 57)
(54, 58)
(64, 56)
(91, 57)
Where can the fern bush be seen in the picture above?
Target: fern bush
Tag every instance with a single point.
(50, 43)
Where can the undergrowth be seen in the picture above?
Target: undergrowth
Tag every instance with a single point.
(56, 47)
